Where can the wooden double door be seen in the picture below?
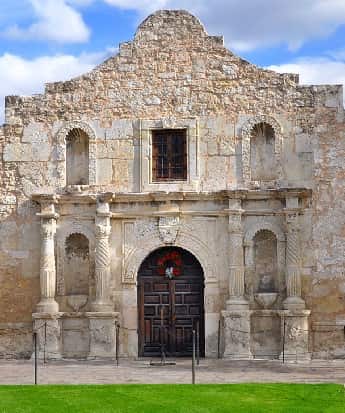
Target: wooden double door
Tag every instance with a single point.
(171, 303)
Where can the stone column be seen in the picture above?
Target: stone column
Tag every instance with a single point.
(293, 299)
(102, 268)
(236, 299)
(236, 318)
(47, 303)
(294, 319)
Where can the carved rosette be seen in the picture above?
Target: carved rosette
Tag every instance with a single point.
(168, 228)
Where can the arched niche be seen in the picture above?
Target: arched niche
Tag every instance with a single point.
(77, 157)
(262, 153)
(254, 243)
(262, 137)
(77, 265)
(265, 262)
(61, 138)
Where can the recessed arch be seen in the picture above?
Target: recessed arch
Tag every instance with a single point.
(246, 135)
(90, 133)
(170, 302)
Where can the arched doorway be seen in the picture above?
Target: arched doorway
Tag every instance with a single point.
(170, 303)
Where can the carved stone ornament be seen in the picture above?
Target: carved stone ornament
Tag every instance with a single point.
(168, 228)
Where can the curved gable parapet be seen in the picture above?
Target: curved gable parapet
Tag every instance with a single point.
(169, 23)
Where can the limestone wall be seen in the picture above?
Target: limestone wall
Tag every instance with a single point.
(173, 74)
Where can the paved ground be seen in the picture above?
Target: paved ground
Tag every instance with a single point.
(209, 371)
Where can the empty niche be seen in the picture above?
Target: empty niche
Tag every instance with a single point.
(262, 152)
(77, 158)
(265, 259)
(77, 265)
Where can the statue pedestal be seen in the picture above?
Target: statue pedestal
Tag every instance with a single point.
(102, 327)
(49, 335)
(295, 335)
(237, 334)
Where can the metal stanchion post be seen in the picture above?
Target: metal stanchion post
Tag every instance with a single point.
(45, 342)
(35, 347)
(117, 343)
(197, 344)
(218, 348)
(284, 341)
(193, 359)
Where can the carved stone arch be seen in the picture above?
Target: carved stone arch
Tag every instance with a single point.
(151, 243)
(246, 131)
(61, 236)
(85, 127)
(264, 226)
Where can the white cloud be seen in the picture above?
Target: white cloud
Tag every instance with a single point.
(56, 21)
(249, 24)
(24, 77)
(315, 70)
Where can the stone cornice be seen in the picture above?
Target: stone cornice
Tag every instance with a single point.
(113, 197)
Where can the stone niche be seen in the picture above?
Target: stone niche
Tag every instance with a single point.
(265, 338)
(77, 270)
(77, 158)
(262, 152)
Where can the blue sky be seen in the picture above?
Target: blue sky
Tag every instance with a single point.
(49, 40)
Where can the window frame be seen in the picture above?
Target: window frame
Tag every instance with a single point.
(169, 134)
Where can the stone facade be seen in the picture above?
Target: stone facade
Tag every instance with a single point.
(262, 213)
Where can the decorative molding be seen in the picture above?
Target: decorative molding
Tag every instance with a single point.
(85, 127)
(136, 248)
(168, 228)
(246, 131)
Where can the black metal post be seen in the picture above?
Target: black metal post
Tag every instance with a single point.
(117, 343)
(45, 342)
(197, 343)
(193, 359)
(284, 341)
(218, 348)
(35, 348)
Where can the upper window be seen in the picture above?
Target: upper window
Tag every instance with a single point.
(77, 158)
(169, 155)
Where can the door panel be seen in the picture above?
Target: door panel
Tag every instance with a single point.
(171, 303)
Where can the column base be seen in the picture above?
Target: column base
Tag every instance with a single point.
(295, 333)
(47, 305)
(237, 335)
(237, 304)
(103, 341)
(102, 306)
(294, 303)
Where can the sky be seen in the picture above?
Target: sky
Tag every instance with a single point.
(51, 40)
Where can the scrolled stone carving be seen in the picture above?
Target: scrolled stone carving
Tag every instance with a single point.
(168, 228)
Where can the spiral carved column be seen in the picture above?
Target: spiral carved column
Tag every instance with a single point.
(102, 267)
(47, 303)
(293, 271)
